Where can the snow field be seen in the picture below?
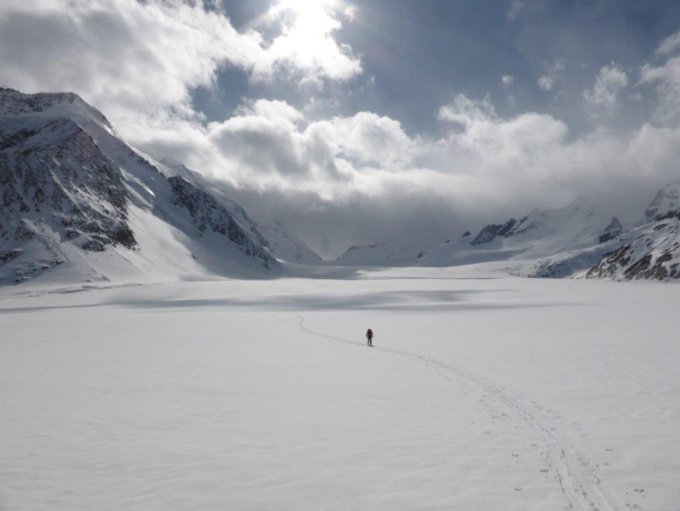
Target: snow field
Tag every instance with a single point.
(480, 393)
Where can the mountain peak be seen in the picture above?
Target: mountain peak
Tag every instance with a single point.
(13, 102)
(613, 230)
(666, 200)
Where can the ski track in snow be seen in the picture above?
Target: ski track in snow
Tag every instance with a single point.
(576, 475)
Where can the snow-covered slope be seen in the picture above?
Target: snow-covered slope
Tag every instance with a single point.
(545, 243)
(287, 247)
(539, 234)
(666, 201)
(651, 251)
(78, 200)
(282, 244)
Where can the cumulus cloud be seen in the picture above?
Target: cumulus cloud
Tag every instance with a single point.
(338, 179)
(140, 61)
(121, 53)
(367, 139)
(666, 78)
(489, 134)
(483, 168)
(271, 109)
(610, 80)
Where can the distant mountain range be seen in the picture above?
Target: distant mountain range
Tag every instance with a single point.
(576, 240)
(79, 204)
(78, 201)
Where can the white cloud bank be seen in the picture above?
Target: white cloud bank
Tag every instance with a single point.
(140, 60)
(343, 179)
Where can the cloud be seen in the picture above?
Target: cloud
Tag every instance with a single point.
(119, 54)
(666, 78)
(484, 144)
(669, 45)
(515, 9)
(344, 180)
(610, 80)
(367, 139)
(307, 45)
(494, 138)
(141, 61)
(545, 83)
(554, 73)
(467, 112)
(333, 179)
(271, 109)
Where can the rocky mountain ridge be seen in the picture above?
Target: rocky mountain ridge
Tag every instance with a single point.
(77, 199)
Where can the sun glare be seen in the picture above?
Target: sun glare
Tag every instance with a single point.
(304, 7)
(312, 21)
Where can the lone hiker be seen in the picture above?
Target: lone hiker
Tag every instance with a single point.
(369, 337)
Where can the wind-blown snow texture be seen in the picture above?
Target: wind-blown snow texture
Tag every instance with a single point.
(481, 393)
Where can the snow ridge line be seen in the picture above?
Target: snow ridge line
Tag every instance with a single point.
(577, 477)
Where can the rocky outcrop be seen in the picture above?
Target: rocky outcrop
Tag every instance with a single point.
(653, 254)
(612, 231)
(651, 251)
(53, 173)
(74, 194)
(492, 231)
(208, 215)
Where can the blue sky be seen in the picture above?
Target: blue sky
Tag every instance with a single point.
(416, 55)
(376, 120)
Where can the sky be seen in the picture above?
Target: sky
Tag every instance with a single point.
(395, 121)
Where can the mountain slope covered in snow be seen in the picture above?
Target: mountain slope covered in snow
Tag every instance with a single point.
(78, 200)
(273, 234)
(651, 251)
(575, 240)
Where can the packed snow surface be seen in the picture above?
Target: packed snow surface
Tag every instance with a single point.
(482, 392)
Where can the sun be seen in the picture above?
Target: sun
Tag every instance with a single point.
(312, 21)
(304, 7)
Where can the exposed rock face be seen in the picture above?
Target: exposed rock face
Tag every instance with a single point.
(492, 231)
(651, 251)
(280, 243)
(644, 259)
(53, 174)
(612, 231)
(207, 214)
(73, 193)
